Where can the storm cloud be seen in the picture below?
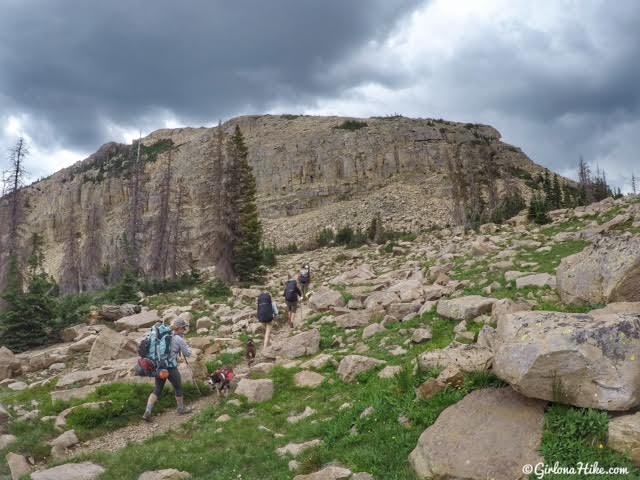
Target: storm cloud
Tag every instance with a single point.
(557, 78)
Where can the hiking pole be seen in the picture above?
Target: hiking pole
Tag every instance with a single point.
(195, 382)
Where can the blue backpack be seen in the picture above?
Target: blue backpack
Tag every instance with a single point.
(159, 346)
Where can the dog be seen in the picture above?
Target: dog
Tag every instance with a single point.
(221, 380)
(251, 352)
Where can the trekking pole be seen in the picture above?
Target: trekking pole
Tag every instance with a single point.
(195, 382)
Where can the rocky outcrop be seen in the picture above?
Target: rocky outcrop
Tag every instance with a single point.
(577, 359)
(310, 174)
(9, 364)
(607, 271)
(468, 358)
(491, 433)
(166, 474)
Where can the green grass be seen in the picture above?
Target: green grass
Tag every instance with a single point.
(549, 261)
(573, 435)
(208, 449)
(224, 359)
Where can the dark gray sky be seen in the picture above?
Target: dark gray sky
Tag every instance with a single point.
(559, 78)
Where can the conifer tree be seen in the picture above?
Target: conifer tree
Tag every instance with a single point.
(244, 224)
(556, 193)
(633, 184)
(28, 320)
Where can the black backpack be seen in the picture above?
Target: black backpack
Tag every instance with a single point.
(290, 291)
(305, 275)
(265, 309)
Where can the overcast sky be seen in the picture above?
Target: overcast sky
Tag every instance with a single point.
(558, 78)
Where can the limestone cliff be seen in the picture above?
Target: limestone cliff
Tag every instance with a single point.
(311, 172)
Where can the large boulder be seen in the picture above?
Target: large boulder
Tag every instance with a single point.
(140, 320)
(624, 436)
(357, 275)
(331, 472)
(116, 312)
(505, 306)
(300, 345)
(9, 364)
(408, 290)
(70, 471)
(326, 299)
(357, 319)
(465, 308)
(18, 465)
(166, 474)
(536, 280)
(490, 433)
(111, 345)
(256, 391)
(40, 359)
(578, 359)
(379, 300)
(468, 358)
(618, 307)
(607, 271)
(353, 365)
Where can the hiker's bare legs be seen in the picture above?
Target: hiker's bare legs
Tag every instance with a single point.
(151, 401)
(292, 315)
(267, 335)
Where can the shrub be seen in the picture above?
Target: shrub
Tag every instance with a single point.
(325, 237)
(352, 125)
(216, 291)
(269, 257)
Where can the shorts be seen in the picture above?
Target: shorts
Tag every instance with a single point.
(292, 306)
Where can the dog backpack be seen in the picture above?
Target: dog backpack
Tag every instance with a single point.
(290, 294)
(228, 374)
(265, 310)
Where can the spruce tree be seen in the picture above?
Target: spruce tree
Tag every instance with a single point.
(556, 194)
(246, 227)
(28, 321)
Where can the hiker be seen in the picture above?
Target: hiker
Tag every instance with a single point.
(267, 310)
(304, 279)
(168, 369)
(292, 295)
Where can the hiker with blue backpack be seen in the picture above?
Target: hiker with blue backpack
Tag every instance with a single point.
(164, 345)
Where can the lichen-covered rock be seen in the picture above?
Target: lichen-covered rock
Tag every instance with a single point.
(166, 474)
(490, 433)
(332, 472)
(604, 272)
(326, 299)
(468, 358)
(139, 320)
(573, 358)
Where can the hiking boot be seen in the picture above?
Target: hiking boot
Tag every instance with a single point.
(184, 410)
(146, 416)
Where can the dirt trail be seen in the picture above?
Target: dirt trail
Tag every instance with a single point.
(168, 420)
(141, 431)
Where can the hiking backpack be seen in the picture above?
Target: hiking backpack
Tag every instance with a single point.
(305, 275)
(154, 351)
(265, 308)
(290, 293)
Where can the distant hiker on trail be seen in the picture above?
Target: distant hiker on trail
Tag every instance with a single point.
(167, 365)
(267, 310)
(304, 279)
(292, 295)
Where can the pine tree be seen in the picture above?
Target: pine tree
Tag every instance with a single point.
(556, 193)
(245, 225)
(28, 320)
(585, 184)
(537, 211)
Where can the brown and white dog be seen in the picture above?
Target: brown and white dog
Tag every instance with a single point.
(221, 380)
